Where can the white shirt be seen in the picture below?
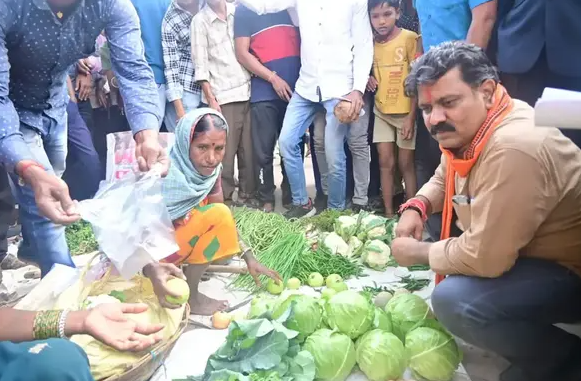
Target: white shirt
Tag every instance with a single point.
(336, 44)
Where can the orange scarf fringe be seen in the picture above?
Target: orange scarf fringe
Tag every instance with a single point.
(503, 105)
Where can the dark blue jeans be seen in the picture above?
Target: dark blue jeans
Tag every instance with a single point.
(514, 316)
(83, 172)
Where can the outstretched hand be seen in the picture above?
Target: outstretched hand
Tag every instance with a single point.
(255, 269)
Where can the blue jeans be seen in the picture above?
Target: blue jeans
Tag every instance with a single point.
(300, 113)
(514, 316)
(57, 360)
(191, 101)
(83, 172)
(43, 242)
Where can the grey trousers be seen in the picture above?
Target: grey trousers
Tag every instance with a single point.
(514, 316)
(238, 145)
(359, 147)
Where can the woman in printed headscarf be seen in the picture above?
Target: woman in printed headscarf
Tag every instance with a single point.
(205, 228)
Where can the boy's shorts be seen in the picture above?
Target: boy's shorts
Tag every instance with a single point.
(387, 129)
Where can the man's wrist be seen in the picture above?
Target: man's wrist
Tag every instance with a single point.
(29, 171)
(144, 135)
(75, 323)
(422, 256)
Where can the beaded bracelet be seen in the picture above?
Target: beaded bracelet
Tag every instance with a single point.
(62, 324)
(46, 324)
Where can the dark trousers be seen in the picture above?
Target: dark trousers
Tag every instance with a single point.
(514, 316)
(529, 86)
(83, 172)
(107, 121)
(7, 212)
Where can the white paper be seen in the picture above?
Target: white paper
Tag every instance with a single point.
(559, 108)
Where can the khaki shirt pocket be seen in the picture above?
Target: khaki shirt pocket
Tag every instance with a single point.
(463, 211)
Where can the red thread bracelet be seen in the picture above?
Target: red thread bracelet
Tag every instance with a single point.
(24, 168)
(417, 205)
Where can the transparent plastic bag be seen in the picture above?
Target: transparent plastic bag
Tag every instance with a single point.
(131, 222)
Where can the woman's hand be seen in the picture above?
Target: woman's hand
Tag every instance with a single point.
(255, 269)
(109, 324)
(159, 274)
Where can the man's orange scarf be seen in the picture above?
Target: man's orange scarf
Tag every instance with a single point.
(503, 105)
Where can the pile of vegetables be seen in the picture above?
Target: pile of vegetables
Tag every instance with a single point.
(299, 337)
(80, 238)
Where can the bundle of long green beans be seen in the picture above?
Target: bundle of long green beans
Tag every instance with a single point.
(326, 263)
(282, 256)
(261, 230)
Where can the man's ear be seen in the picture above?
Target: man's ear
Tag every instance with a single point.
(487, 89)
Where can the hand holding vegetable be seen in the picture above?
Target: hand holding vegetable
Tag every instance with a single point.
(255, 269)
(109, 324)
(159, 274)
(409, 251)
(410, 225)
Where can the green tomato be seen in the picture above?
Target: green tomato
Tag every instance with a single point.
(316, 280)
(332, 279)
(274, 287)
(328, 293)
(293, 284)
(338, 287)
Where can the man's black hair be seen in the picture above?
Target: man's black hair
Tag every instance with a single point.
(371, 4)
(472, 61)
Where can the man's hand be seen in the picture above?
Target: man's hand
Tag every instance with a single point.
(356, 99)
(410, 225)
(407, 131)
(159, 274)
(149, 152)
(409, 252)
(282, 88)
(213, 103)
(372, 84)
(84, 66)
(84, 86)
(51, 195)
(109, 324)
(255, 269)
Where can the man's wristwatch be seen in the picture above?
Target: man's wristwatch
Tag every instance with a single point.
(417, 205)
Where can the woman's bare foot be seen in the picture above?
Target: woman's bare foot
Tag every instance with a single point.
(201, 304)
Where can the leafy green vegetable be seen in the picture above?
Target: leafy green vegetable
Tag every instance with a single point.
(119, 295)
(346, 227)
(406, 311)
(305, 314)
(382, 320)
(334, 354)
(381, 356)
(376, 254)
(325, 221)
(434, 355)
(350, 313)
(80, 238)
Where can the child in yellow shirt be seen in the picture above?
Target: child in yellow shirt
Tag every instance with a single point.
(395, 113)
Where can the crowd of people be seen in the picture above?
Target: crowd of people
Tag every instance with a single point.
(400, 104)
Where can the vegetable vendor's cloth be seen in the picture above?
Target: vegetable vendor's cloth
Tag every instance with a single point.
(184, 188)
(50, 360)
(207, 233)
(523, 188)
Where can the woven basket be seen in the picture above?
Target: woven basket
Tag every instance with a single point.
(145, 368)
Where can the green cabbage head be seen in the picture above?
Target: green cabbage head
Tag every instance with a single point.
(306, 314)
(433, 354)
(334, 354)
(382, 320)
(350, 313)
(381, 356)
(407, 311)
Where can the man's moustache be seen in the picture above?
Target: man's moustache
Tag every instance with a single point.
(441, 127)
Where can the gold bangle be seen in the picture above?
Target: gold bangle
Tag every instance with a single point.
(46, 324)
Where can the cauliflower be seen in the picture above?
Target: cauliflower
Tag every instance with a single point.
(372, 227)
(335, 244)
(355, 246)
(345, 226)
(376, 255)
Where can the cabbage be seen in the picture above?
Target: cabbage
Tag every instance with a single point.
(382, 320)
(350, 313)
(335, 244)
(334, 354)
(407, 311)
(306, 314)
(433, 354)
(260, 306)
(381, 356)
(346, 226)
(355, 246)
(376, 255)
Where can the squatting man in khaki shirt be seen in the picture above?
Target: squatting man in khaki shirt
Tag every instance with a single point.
(513, 193)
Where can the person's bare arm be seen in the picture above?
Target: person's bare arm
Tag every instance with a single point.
(483, 20)
(17, 325)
